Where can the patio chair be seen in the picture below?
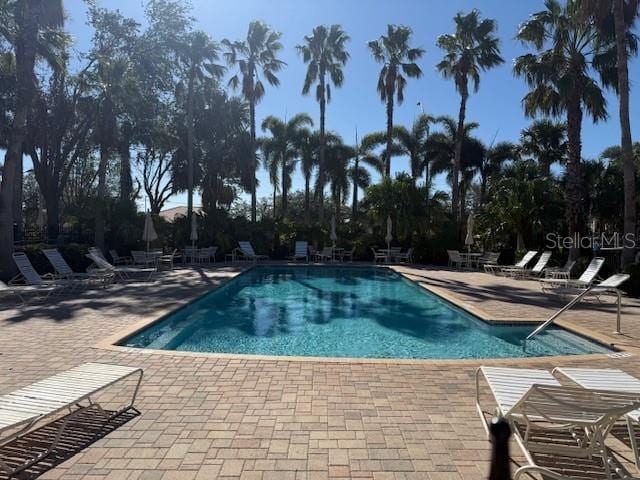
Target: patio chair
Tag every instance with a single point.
(456, 260)
(118, 260)
(585, 281)
(124, 273)
(301, 251)
(405, 257)
(539, 408)
(325, 254)
(246, 251)
(144, 259)
(536, 271)
(80, 279)
(29, 276)
(206, 255)
(488, 261)
(168, 259)
(378, 255)
(347, 255)
(560, 272)
(189, 254)
(613, 380)
(21, 410)
(521, 265)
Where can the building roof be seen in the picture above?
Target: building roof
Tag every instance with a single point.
(170, 214)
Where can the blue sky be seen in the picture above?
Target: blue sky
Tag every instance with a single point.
(497, 106)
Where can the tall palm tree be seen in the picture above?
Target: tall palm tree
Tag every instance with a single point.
(23, 23)
(412, 143)
(560, 78)
(271, 164)
(616, 18)
(254, 56)
(544, 140)
(198, 57)
(472, 49)
(285, 139)
(494, 158)
(397, 58)
(324, 52)
(338, 174)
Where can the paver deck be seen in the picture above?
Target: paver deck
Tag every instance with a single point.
(205, 417)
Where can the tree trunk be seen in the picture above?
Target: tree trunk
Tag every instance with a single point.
(625, 128)
(126, 183)
(354, 203)
(17, 196)
(190, 140)
(457, 156)
(387, 154)
(52, 203)
(274, 200)
(573, 173)
(284, 186)
(26, 41)
(252, 127)
(102, 193)
(321, 172)
(307, 199)
(544, 166)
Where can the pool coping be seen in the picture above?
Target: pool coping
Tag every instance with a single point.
(111, 342)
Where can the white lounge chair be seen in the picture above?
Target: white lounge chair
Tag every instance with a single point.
(19, 291)
(29, 276)
(22, 409)
(301, 251)
(609, 379)
(534, 402)
(585, 281)
(536, 271)
(521, 265)
(80, 279)
(246, 251)
(123, 273)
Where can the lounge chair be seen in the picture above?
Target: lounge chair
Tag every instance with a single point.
(19, 291)
(534, 272)
(246, 251)
(81, 279)
(118, 260)
(521, 265)
(613, 380)
(123, 273)
(378, 255)
(585, 281)
(29, 276)
(457, 261)
(535, 404)
(325, 254)
(301, 251)
(347, 255)
(23, 409)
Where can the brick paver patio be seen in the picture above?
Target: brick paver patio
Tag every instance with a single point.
(205, 418)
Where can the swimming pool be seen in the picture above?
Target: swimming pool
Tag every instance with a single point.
(357, 312)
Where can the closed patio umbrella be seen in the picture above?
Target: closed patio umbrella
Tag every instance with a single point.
(333, 235)
(389, 236)
(468, 240)
(149, 233)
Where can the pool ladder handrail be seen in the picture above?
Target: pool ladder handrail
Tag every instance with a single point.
(610, 284)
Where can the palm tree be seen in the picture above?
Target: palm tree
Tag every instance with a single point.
(338, 175)
(324, 52)
(472, 49)
(397, 58)
(271, 164)
(544, 140)
(283, 143)
(308, 147)
(494, 158)
(22, 24)
(255, 55)
(559, 76)
(412, 143)
(621, 15)
(198, 56)
(364, 152)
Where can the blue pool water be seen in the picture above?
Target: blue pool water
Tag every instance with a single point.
(342, 312)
